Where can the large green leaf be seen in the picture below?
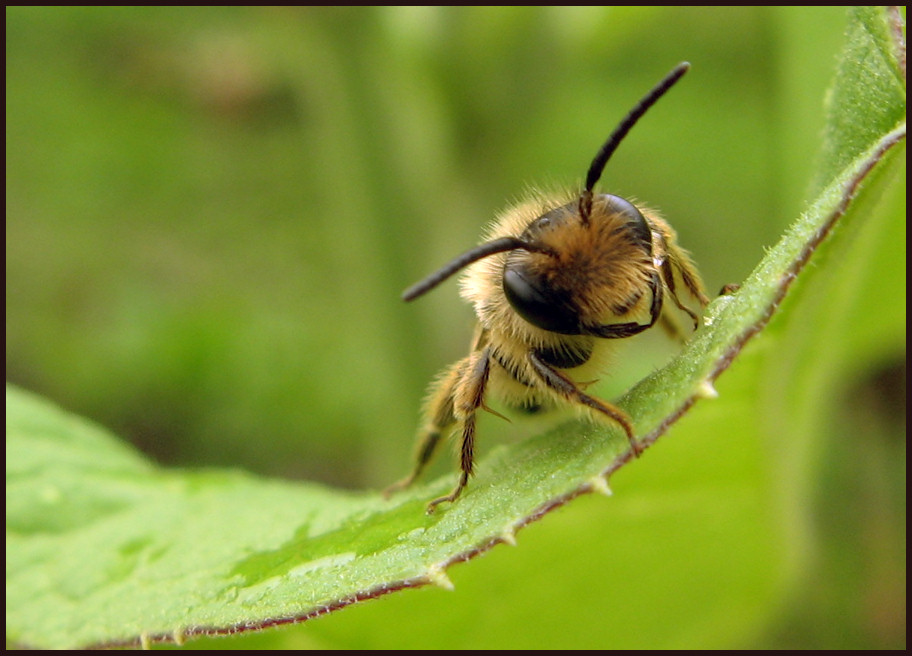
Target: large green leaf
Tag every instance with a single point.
(104, 548)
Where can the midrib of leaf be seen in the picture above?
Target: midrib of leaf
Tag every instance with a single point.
(104, 549)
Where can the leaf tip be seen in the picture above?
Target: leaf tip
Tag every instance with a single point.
(600, 484)
(508, 536)
(438, 577)
(706, 390)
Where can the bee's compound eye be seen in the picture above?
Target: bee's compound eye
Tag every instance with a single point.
(539, 304)
(633, 216)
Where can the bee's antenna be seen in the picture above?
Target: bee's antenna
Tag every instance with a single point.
(490, 248)
(607, 150)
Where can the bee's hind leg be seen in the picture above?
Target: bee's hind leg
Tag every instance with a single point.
(440, 420)
(468, 397)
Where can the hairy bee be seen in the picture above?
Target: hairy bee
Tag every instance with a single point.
(554, 281)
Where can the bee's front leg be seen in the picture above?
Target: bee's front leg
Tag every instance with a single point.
(563, 385)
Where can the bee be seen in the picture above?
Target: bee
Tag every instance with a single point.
(555, 282)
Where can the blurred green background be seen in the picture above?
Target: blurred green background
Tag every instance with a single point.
(211, 213)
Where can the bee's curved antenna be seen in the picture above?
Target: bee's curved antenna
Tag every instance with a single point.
(607, 150)
(490, 248)
(585, 202)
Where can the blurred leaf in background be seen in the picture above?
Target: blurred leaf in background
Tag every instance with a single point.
(211, 213)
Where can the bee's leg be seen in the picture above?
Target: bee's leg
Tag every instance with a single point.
(468, 397)
(440, 419)
(672, 327)
(561, 384)
(669, 266)
(676, 260)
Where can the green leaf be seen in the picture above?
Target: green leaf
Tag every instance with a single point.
(105, 548)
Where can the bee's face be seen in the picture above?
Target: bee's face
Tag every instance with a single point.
(603, 257)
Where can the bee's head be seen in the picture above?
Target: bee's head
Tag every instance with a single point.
(575, 252)
(594, 270)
